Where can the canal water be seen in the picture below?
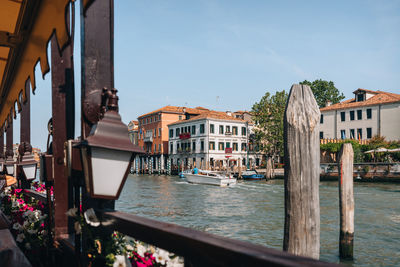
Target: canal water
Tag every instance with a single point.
(254, 211)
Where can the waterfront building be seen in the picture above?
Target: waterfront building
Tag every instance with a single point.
(153, 131)
(133, 131)
(368, 114)
(212, 139)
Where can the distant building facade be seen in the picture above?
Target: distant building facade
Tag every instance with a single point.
(211, 139)
(368, 114)
(153, 129)
(133, 131)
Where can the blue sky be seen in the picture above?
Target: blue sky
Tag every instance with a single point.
(226, 55)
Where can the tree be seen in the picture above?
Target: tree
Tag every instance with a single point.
(324, 91)
(268, 117)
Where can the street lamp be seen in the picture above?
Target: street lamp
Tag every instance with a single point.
(107, 152)
(9, 162)
(27, 162)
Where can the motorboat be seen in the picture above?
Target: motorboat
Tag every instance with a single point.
(252, 175)
(210, 178)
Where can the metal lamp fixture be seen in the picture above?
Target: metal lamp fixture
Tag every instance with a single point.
(9, 162)
(107, 152)
(27, 162)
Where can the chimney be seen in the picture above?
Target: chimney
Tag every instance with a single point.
(328, 103)
(229, 113)
(184, 109)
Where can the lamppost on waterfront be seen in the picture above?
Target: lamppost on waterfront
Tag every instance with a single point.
(107, 152)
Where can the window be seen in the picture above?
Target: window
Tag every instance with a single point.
(352, 133)
(369, 113)
(342, 116)
(235, 147)
(343, 134)
(211, 128)
(171, 148)
(171, 133)
(359, 133)
(178, 132)
(221, 129)
(321, 119)
(155, 148)
(221, 146)
(151, 119)
(321, 135)
(159, 148)
(159, 117)
(228, 129)
(243, 146)
(180, 117)
(202, 145)
(159, 132)
(193, 129)
(228, 144)
(360, 97)
(359, 114)
(244, 131)
(369, 133)
(211, 146)
(235, 130)
(201, 128)
(352, 115)
(155, 133)
(194, 146)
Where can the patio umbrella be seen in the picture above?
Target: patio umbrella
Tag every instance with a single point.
(394, 150)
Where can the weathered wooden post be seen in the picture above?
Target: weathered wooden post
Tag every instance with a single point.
(268, 171)
(301, 147)
(346, 201)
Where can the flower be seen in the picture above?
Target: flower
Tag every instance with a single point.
(17, 226)
(140, 249)
(78, 229)
(90, 217)
(20, 238)
(72, 212)
(162, 256)
(121, 261)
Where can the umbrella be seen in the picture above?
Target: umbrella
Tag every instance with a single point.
(394, 150)
(381, 149)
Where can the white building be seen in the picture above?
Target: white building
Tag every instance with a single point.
(210, 139)
(369, 113)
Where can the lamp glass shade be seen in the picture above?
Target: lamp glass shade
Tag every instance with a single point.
(29, 171)
(10, 169)
(108, 170)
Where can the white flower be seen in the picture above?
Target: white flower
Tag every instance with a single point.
(176, 262)
(14, 204)
(20, 238)
(121, 261)
(140, 249)
(90, 217)
(161, 256)
(17, 226)
(28, 246)
(78, 229)
(26, 224)
(72, 212)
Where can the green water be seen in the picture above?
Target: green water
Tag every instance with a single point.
(254, 211)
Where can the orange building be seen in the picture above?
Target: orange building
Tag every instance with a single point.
(153, 130)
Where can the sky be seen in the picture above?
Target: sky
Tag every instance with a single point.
(225, 55)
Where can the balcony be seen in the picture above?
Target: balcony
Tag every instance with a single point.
(184, 150)
(228, 133)
(148, 139)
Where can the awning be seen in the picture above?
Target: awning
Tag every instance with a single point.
(26, 27)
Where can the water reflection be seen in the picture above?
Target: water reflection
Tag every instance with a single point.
(254, 211)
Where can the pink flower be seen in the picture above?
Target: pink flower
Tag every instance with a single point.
(18, 190)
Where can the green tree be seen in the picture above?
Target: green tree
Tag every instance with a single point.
(324, 91)
(268, 117)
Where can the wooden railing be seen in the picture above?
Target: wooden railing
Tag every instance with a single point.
(199, 248)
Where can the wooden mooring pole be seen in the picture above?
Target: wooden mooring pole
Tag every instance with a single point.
(301, 143)
(346, 201)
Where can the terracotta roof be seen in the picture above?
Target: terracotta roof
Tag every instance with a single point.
(174, 109)
(378, 98)
(211, 114)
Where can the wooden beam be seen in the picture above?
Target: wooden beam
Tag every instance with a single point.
(346, 201)
(301, 147)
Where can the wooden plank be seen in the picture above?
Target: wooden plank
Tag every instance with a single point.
(202, 249)
(346, 201)
(301, 147)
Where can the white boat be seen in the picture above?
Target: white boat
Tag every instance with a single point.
(210, 178)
